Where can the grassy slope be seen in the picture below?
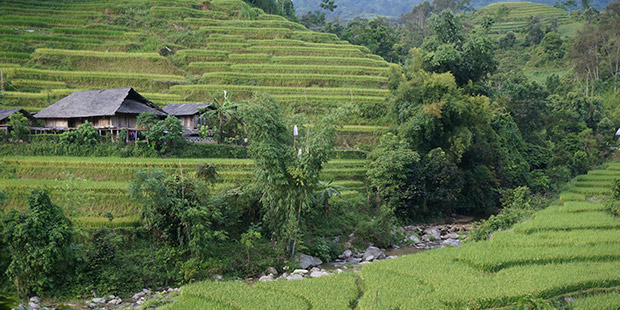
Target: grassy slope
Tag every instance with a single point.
(520, 13)
(100, 184)
(529, 59)
(567, 248)
(49, 49)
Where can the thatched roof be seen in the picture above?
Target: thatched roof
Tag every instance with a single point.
(104, 102)
(184, 109)
(5, 113)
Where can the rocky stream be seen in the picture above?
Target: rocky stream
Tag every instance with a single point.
(417, 238)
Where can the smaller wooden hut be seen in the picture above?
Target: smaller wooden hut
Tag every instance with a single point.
(109, 110)
(188, 113)
(6, 113)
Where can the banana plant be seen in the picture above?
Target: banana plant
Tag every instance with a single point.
(327, 191)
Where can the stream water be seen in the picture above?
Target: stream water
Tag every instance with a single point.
(333, 266)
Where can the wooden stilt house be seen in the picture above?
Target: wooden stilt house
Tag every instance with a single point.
(188, 114)
(109, 110)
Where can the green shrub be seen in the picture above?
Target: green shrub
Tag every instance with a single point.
(378, 230)
(613, 203)
(39, 243)
(85, 134)
(19, 126)
(326, 250)
(517, 204)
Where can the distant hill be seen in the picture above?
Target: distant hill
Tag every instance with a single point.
(599, 4)
(178, 51)
(349, 9)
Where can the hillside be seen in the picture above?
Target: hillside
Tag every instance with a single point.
(349, 9)
(519, 13)
(95, 186)
(598, 4)
(566, 250)
(178, 51)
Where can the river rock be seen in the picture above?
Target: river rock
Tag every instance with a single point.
(272, 270)
(451, 242)
(318, 274)
(347, 245)
(300, 271)
(451, 236)
(91, 305)
(369, 258)
(115, 301)
(99, 300)
(35, 299)
(414, 239)
(375, 252)
(307, 261)
(139, 295)
(434, 232)
(346, 254)
(33, 305)
(266, 278)
(354, 260)
(295, 277)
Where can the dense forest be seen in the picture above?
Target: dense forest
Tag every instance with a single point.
(476, 115)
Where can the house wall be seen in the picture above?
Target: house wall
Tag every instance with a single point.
(188, 122)
(56, 123)
(124, 121)
(104, 122)
(116, 121)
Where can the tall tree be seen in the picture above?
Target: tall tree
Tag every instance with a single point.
(468, 58)
(39, 243)
(500, 14)
(585, 52)
(328, 5)
(376, 34)
(611, 30)
(287, 167)
(396, 175)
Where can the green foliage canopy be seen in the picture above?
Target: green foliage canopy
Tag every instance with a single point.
(287, 167)
(39, 245)
(19, 126)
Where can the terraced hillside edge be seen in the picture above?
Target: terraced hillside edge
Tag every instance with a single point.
(518, 15)
(178, 51)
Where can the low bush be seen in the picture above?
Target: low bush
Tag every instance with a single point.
(48, 146)
(377, 230)
(517, 204)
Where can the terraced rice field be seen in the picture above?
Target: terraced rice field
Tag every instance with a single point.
(178, 51)
(568, 249)
(101, 184)
(519, 15)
